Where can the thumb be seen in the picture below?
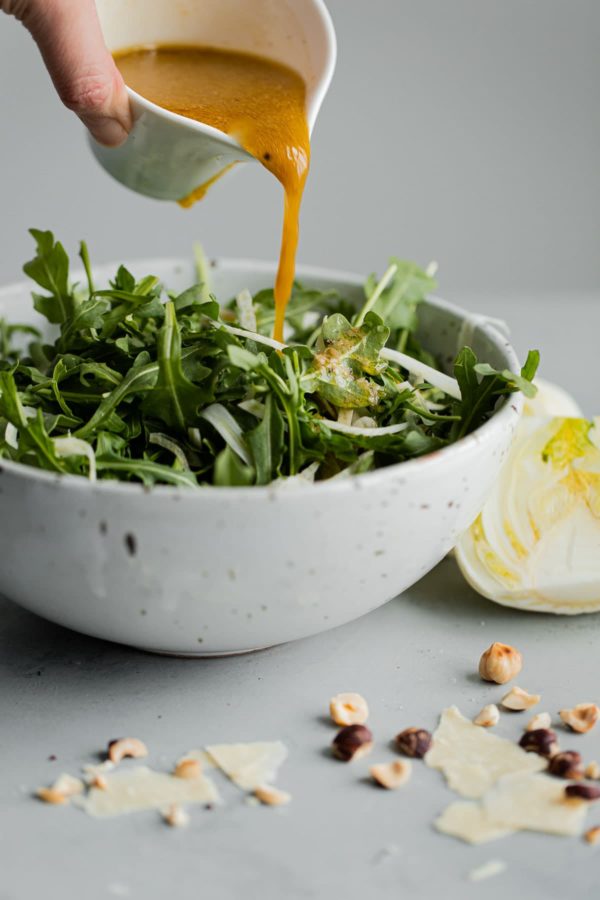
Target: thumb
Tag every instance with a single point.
(84, 73)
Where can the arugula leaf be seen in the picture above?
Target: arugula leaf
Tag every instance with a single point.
(50, 269)
(520, 382)
(10, 404)
(175, 400)
(144, 470)
(480, 394)
(230, 471)
(345, 356)
(89, 315)
(266, 442)
(181, 393)
(397, 306)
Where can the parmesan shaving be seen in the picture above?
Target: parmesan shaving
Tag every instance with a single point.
(142, 788)
(68, 785)
(249, 765)
(246, 312)
(534, 803)
(91, 771)
(518, 802)
(488, 870)
(469, 822)
(365, 432)
(472, 759)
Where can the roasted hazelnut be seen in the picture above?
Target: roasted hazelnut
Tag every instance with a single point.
(540, 720)
(271, 796)
(414, 742)
(488, 717)
(567, 764)
(587, 792)
(122, 747)
(65, 787)
(349, 709)
(392, 775)
(592, 835)
(500, 663)
(188, 768)
(99, 781)
(352, 742)
(517, 699)
(542, 741)
(50, 795)
(581, 718)
(175, 816)
(592, 770)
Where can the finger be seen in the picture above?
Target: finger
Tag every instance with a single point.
(70, 39)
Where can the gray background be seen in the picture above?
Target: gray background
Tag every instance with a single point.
(466, 131)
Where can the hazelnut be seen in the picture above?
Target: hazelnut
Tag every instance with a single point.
(49, 795)
(352, 742)
(175, 816)
(566, 764)
(65, 787)
(348, 709)
(592, 835)
(517, 699)
(271, 796)
(592, 770)
(414, 742)
(588, 792)
(542, 741)
(188, 768)
(488, 717)
(540, 720)
(99, 781)
(500, 663)
(122, 747)
(581, 718)
(392, 775)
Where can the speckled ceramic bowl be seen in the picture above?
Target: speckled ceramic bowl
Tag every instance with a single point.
(225, 570)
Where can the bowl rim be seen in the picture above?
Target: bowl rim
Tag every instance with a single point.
(314, 99)
(504, 418)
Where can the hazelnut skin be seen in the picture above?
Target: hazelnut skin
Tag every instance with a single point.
(500, 663)
(352, 742)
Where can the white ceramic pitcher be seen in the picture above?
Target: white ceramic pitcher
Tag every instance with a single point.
(166, 155)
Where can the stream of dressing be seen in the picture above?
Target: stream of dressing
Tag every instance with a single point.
(259, 102)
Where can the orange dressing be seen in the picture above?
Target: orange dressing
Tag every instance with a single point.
(259, 102)
(200, 192)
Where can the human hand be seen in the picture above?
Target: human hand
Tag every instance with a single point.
(84, 73)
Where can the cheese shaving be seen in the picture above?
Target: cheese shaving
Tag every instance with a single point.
(471, 758)
(468, 821)
(534, 803)
(143, 788)
(488, 870)
(249, 765)
(518, 802)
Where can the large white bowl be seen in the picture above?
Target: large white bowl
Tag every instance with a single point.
(224, 570)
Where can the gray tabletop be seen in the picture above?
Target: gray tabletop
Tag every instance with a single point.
(65, 695)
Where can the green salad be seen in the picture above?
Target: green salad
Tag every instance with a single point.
(145, 385)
